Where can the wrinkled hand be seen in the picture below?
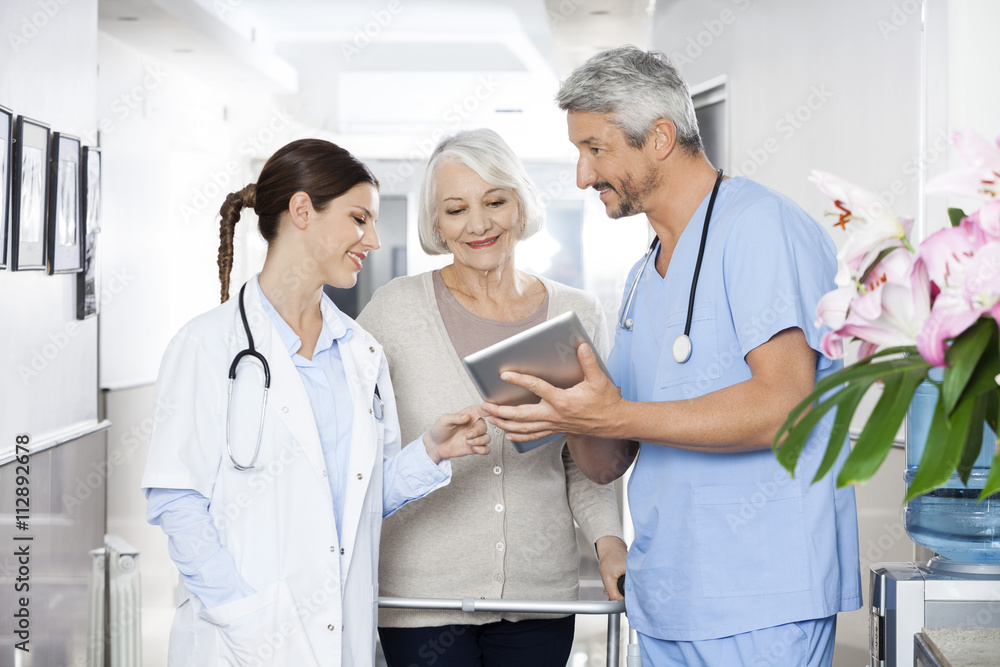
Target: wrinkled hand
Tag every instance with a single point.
(611, 556)
(458, 434)
(584, 409)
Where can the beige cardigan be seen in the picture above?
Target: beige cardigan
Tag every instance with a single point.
(503, 527)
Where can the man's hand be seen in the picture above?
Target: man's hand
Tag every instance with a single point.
(588, 408)
(611, 556)
(458, 434)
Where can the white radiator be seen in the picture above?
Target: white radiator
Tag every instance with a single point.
(115, 631)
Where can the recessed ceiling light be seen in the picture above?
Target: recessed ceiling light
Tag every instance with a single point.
(128, 18)
(599, 12)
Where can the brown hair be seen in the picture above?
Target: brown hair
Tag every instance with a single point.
(319, 168)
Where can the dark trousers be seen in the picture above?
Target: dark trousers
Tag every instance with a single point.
(531, 643)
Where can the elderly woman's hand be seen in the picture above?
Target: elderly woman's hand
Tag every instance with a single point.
(611, 556)
(458, 434)
(588, 408)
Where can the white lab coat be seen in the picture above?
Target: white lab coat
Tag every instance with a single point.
(316, 599)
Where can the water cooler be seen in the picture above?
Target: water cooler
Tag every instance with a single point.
(907, 597)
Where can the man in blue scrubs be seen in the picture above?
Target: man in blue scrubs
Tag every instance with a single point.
(734, 562)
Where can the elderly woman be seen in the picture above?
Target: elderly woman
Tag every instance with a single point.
(504, 526)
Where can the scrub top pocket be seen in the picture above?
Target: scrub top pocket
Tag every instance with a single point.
(704, 344)
(751, 539)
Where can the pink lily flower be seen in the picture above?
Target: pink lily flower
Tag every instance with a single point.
(947, 251)
(888, 310)
(875, 226)
(981, 179)
(973, 290)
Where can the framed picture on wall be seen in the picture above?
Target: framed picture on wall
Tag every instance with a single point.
(65, 233)
(6, 147)
(29, 194)
(87, 288)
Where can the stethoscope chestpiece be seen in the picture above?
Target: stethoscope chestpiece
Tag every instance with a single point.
(682, 348)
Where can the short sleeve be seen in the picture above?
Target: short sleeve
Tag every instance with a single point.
(188, 426)
(777, 264)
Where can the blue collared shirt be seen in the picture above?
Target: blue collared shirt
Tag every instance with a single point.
(326, 385)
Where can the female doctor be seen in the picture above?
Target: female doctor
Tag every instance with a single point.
(281, 453)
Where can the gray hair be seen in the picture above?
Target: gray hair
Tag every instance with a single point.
(486, 153)
(635, 88)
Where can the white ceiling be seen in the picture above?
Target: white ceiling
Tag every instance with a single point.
(390, 69)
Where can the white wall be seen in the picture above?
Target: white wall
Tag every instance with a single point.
(175, 146)
(48, 72)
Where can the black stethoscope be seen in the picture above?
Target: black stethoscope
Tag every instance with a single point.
(682, 344)
(250, 351)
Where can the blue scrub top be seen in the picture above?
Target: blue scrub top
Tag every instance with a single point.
(729, 543)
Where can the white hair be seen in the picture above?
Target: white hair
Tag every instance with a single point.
(486, 153)
(635, 88)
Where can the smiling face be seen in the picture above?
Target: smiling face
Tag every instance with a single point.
(479, 223)
(624, 176)
(345, 233)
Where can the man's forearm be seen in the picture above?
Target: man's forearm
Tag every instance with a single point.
(741, 417)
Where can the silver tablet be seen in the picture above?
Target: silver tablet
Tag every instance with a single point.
(547, 351)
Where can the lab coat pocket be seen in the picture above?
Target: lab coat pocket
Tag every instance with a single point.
(751, 539)
(262, 628)
(704, 343)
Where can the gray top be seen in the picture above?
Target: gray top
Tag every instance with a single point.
(504, 527)
(470, 333)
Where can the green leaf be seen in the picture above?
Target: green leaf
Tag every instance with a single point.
(878, 258)
(841, 428)
(858, 372)
(955, 215)
(984, 375)
(945, 442)
(973, 438)
(864, 368)
(963, 357)
(791, 448)
(993, 480)
(880, 430)
(792, 436)
(992, 407)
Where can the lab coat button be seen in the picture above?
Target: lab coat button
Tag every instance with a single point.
(359, 476)
(497, 470)
(498, 507)
(371, 349)
(499, 546)
(333, 549)
(285, 409)
(341, 552)
(324, 473)
(499, 577)
(331, 628)
(370, 411)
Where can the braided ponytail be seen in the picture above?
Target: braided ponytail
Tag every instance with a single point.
(230, 212)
